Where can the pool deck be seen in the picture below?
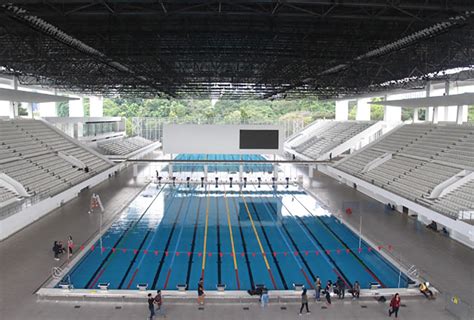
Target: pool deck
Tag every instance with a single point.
(26, 262)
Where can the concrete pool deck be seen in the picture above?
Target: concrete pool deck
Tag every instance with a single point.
(26, 263)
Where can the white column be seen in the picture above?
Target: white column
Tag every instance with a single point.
(96, 105)
(5, 108)
(460, 114)
(435, 115)
(342, 110)
(391, 113)
(415, 115)
(363, 109)
(429, 111)
(76, 108)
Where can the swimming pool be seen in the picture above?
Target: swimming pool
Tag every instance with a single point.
(239, 237)
(220, 167)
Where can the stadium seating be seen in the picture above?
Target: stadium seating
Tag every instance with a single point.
(327, 135)
(423, 156)
(123, 146)
(6, 195)
(29, 154)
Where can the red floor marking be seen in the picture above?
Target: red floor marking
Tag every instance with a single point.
(96, 279)
(133, 278)
(237, 278)
(307, 279)
(273, 279)
(167, 279)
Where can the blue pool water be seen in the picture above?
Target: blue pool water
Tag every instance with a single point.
(237, 237)
(220, 167)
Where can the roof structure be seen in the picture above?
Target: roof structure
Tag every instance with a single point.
(233, 48)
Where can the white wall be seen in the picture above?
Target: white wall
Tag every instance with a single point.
(76, 108)
(363, 109)
(190, 138)
(342, 110)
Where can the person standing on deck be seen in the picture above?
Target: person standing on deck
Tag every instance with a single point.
(317, 288)
(341, 288)
(304, 302)
(327, 292)
(201, 291)
(394, 305)
(159, 304)
(151, 305)
(70, 245)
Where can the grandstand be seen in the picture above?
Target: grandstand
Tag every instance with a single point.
(123, 146)
(414, 159)
(42, 159)
(323, 136)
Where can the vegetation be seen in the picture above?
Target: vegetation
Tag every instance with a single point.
(62, 109)
(222, 111)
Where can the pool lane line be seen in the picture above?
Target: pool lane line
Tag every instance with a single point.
(219, 258)
(193, 242)
(132, 262)
(267, 204)
(259, 242)
(229, 224)
(275, 260)
(165, 250)
(179, 239)
(314, 240)
(104, 264)
(174, 191)
(244, 245)
(204, 246)
(332, 232)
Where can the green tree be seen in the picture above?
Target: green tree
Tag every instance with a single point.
(62, 109)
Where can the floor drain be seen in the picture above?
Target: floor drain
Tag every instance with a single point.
(283, 308)
(77, 307)
(363, 307)
(403, 305)
(201, 308)
(118, 307)
(245, 308)
(324, 307)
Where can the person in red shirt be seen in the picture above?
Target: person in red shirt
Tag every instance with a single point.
(394, 305)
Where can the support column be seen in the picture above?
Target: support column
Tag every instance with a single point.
(241, 172)
(14, 104)
(435, 115)
(96, 105)
(415, 115)
(391, 113)
(76, 108)
(429, 111)
(342, 110)
(363, 109)
(460, 114)
(205, 172)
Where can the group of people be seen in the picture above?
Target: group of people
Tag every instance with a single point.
(338, 288)
(58, 248)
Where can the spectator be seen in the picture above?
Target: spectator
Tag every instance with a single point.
(201, 291)
(394, 305)
(327, 291)
(159, 303)
(341, 288)
(70, 245)
(56, 250)
(425, 290)
(317, 288)
(304, 302)
(355, 290)
(151, 306)
(264, 298)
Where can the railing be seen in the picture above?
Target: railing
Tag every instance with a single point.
(20, 205)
